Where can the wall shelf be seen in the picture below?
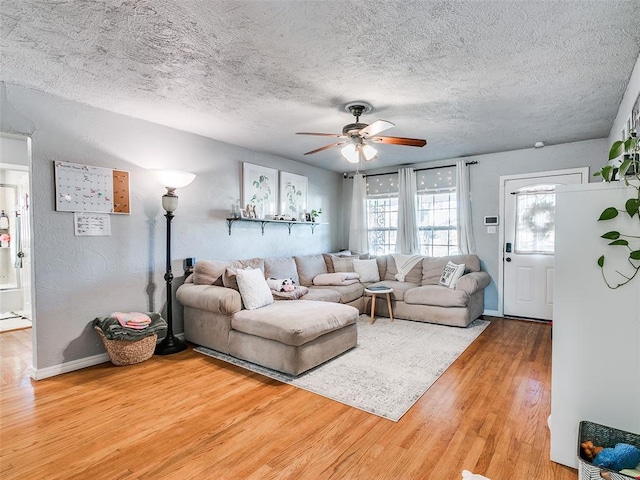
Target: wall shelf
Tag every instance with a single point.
(263, 222)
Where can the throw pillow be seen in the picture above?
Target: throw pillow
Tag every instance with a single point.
(253, 287)
(343, 264)
(368, 270)
(452, 272)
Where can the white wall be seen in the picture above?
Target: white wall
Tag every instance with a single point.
(628, 100)
(79, 278)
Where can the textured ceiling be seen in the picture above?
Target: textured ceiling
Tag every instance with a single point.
(471, 77)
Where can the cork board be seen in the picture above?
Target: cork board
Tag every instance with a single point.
(84, 188)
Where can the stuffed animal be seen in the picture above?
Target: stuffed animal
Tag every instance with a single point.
(466, 474)
(281, 284)
(589, 450)
(618, 458)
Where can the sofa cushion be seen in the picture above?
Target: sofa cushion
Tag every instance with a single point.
(209, 272)
(253, 287)
(436, 295)
(296, 322)
(210, 298)
(348, 293)
(309, 266)
(432, 267)
(382, 265)
(229, 277)
(399, 288)
(413, 276)
(281, 267)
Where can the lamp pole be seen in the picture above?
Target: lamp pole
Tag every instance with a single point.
(170, 344)
(170, 179)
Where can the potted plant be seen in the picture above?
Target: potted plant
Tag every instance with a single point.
(315, 214)
(628, 171)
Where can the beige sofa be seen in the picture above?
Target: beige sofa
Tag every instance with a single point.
(420, 297)
(293, 336)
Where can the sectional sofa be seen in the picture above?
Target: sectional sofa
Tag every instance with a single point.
(293, 336)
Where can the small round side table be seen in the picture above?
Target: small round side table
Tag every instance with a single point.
(377, 291)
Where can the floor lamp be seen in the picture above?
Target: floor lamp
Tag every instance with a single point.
(171, 180)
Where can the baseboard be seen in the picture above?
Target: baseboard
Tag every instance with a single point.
(492, 313)
(42, 373)
(47, 372)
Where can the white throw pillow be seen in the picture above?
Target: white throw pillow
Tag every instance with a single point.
(368, 270)
(451, 274)
(253, 288)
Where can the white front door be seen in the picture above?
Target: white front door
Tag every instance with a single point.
(529, 241)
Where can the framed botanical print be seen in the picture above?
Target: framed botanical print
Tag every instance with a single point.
(293, 195)
(260, 189)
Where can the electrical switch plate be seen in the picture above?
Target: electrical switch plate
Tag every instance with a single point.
(491, 229)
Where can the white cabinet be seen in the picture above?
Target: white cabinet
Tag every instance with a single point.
(596, 330)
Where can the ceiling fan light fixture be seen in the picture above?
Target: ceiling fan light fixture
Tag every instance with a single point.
(350, 153)
(369, 153)
(355, 153)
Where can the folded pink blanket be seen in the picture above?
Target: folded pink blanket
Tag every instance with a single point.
(135, 320)
(337, 279)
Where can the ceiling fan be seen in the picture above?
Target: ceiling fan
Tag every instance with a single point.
(357, 135)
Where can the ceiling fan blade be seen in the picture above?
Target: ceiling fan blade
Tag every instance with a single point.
(337, 135)
(375, 128)
(325, 147)
(410, 142)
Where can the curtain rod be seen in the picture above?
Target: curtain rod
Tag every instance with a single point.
(474, 162)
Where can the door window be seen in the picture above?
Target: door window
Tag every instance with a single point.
(535, 219)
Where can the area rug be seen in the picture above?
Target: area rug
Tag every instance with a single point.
(392, 366)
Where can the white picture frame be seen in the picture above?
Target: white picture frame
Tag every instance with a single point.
(260, 188)
(293, 195)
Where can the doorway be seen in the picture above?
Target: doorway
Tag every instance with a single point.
(15, 234)
(527, 241)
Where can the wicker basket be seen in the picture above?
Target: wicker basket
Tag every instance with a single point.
(605, 437)
(122, 352)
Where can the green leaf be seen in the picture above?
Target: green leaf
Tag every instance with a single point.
(629, 143)
(624, 166)
(635, 255)
(613, 235)
(616, 150)
(606, 172)
(601, 261)
(619, 242)
(608, 213)
(631, 206)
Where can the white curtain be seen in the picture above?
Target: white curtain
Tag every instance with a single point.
(466, 243)
(358, 241)
(407, 237)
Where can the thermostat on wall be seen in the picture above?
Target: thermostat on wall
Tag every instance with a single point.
(492, 220)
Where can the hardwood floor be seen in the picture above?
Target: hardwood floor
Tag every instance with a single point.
(188, 416)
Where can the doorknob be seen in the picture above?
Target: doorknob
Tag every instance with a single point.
(508, 259)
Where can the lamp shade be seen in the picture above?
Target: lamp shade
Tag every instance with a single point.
(354, 153)
(172, 179)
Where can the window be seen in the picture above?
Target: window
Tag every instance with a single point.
(436, 211)
(535, 220)
(382, 221)
(437, 222)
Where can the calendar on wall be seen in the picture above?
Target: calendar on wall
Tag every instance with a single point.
(83, 188)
